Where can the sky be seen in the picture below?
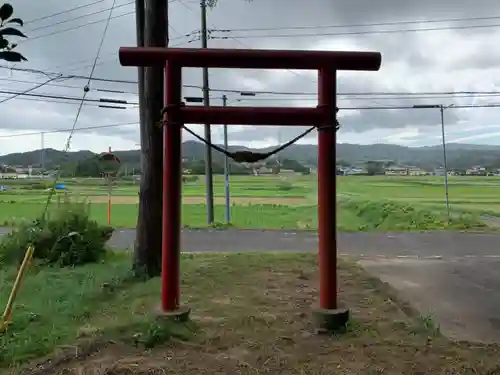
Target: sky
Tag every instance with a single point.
(450, 55)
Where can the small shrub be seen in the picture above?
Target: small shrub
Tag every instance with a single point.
(284, 186)
(190, 178)
(35, 186)
(65, 237)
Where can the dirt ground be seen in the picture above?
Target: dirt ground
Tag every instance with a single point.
(218, 200)
(254, 318)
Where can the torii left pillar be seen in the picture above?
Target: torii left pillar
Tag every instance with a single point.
(327, 63)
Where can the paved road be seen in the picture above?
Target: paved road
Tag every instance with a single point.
(453, 276)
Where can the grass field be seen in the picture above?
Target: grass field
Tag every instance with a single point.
(251, 314)
(365, 203)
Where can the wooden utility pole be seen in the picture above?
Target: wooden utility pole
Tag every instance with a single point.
(139, 24)
(209, 184)
(147, 252)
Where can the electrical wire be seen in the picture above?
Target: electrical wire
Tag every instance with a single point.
(360, 96)
(240, 42)
(67, 86)
(77, 17)
(52, 96)
(464, 106)
(72, 28)
(88, 102)
(261, 92)
(73, 9)
(251, 99)
(85, 91)
(63, 12)
(116, 55)
(69, 130)
(392, 23)
(26, 92)
(346, 33)
(56, 32)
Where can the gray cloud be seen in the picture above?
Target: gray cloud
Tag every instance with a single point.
(413, 61)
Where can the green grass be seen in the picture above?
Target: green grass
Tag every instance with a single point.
(53, 304)
(57, 306)
(473, 194)
(352, 215)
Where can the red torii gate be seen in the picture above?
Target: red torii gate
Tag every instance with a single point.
(324, 116)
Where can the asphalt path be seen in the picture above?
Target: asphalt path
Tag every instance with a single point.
(452, 276)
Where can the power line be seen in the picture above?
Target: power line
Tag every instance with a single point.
(341, 97)
(491, 105)
(458, 106)
(63, 12)
(393, 23)
(78, 17)
(345, 33)
(26, 92)
(67, 86)
(72, 28)
(60, 97)
(79, 110)
(68, 130)
(84, 25)
(262, 92)
(387, 97)
(116, 55)
(88, 102)
(238, 41)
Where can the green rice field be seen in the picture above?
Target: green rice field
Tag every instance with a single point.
(364, 202)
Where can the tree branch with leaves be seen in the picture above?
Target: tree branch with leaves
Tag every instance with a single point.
(7, 52)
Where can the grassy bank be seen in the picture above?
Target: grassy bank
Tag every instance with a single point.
(251, 315)
(352, 215)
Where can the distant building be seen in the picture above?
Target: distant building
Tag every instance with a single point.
(348, 171)
(438, 172)
(396, 171)
(476, 171)
(416, 171)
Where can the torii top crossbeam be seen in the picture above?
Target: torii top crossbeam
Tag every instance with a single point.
(250, 59)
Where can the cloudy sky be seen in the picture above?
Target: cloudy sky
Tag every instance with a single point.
(457, 52)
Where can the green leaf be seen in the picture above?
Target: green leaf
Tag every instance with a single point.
(4, 43)
(16, 20)
(12, 56)
(6, 11)
(11, 31)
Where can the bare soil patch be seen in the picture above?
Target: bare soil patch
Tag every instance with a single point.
(253, 313)
(291, 201)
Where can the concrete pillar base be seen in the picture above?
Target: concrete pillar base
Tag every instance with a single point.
(330, 321)
(180, 315)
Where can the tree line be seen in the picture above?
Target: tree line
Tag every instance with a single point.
(93, 167)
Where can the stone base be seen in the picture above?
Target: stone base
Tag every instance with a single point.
(330, 321)
(180, 315)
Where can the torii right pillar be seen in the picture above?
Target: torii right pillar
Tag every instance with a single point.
(329, 316)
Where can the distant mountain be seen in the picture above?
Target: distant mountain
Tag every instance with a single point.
(459, 155)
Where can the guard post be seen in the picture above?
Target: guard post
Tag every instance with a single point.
(176, 114)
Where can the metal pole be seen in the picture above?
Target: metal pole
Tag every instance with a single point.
(208, 135)
(226, 170)
(42, 151)
(327, 238)
(445, 162)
